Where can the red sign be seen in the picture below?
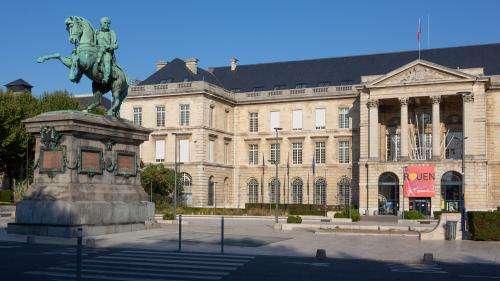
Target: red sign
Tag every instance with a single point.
(418, 181)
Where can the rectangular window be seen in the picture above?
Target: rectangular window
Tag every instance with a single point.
(184, 150)
(320, 118)
(344, 118)
(226, 153)
(320, 152)
(211, 147)
(211, 116)
(393, 147)
(253, 154)
(275, 152)
(160, 116)
(344, 151)
(275, 120)
(253, 122)
(160, 151)
(297, 153)
(297, 119)
(184, 118)
(138, 115)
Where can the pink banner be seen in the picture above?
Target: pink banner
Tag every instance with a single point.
(418, 181)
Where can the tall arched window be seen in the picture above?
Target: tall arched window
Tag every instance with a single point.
(451, 190)
(297, 185)
(344, 187)
(320, 191)
(186, 183)
(253, 191)
(388, 194)
(274, 190)
(211, 191)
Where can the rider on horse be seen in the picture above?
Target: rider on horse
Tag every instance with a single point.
(107, 43)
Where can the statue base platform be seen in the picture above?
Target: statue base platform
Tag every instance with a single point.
(86, 175)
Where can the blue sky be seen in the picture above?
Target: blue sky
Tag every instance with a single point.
(214, 31)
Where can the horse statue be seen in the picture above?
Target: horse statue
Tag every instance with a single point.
(85, 59)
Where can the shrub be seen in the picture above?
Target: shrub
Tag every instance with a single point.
(484, 226)
(294, 219)
(5, 195)
(168, 216)
(291, 209)
(20, 188)
(437, 214)
(355, 216)
(413, 215)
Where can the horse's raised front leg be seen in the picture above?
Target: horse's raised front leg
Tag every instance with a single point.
(67, 61)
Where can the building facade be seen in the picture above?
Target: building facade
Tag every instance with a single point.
(348, 127)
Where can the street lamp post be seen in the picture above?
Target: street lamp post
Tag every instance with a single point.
(462, 191)
(175, 175)
(276, 184)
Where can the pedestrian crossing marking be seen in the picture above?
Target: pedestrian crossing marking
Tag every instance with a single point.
(138, 265)
(416, 268)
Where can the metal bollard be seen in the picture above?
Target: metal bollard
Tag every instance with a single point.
(222, 235)
(79, 234)
(180, 233)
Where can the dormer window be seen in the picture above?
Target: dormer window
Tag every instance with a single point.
(323, 84)
(186, 79)
(236, 90)
(279, 87)
(301, 86)
(257, 89)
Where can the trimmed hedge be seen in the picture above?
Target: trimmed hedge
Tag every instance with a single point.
(484, 226)
(413, 215)
(5, 195)
(294, 219)
(169, 216)
(290, 209)
(437, 214)
(355, 216)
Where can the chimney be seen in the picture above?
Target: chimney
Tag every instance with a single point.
(234, 64)
(192, 65)
(160, 64)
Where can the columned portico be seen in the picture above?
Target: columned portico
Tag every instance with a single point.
(436, 128)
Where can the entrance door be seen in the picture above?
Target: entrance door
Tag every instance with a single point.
(422, 205)
(451, 190)
(388, 194)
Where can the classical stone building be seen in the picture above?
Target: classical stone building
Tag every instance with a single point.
(349, 126)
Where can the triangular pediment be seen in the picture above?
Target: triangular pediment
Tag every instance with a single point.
(420, 72)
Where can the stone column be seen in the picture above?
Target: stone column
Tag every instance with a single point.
(436, 128)
(374, 135)
(468, 102)
(404, 128)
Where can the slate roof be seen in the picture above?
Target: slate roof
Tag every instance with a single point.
(86, 100)
(334, 71)
(176, 71)
(18, 82)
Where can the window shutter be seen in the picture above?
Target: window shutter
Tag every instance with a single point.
(184, 150)
(275, 120)
(160, 149)
(320, 118)
(297, 119)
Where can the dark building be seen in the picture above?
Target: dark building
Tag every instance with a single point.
(18, 86)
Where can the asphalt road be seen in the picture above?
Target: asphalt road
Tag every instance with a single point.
(20, 262)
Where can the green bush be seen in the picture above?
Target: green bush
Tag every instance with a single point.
(413, 215)
(288, 209)
(169, 216)
(484, 226)
(5, 195)
(437, 214)
(355, 216)
(294, 219)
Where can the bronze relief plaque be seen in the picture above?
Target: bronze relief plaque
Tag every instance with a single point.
(90, 161)
(126, 163)
(52, 160)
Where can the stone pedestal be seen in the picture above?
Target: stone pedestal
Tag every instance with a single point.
(86, 175)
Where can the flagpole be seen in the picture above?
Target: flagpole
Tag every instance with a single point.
(418, 37)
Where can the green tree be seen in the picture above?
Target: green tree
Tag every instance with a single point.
(13, 137)
(58, 100)
(161, 180)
